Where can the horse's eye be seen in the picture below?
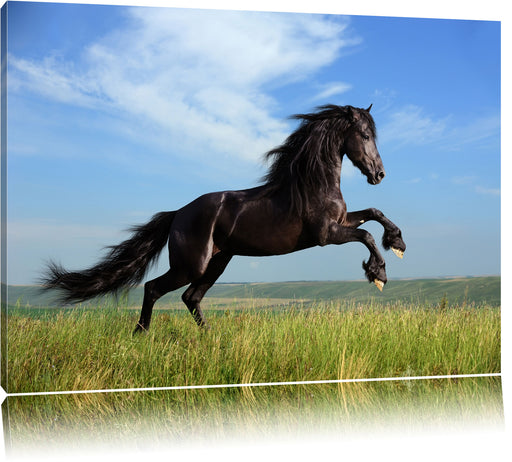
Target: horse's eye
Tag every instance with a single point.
(366, 137)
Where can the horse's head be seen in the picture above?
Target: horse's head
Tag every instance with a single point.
(360, 145)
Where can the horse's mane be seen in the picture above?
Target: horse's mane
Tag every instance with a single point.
(305, 161)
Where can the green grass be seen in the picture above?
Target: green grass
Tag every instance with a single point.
(94, 349)
(146, 419)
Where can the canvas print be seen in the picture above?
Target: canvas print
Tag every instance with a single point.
(209, 197)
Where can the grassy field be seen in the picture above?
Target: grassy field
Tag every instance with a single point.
(172, 417)
(456, 291)
(84, 349)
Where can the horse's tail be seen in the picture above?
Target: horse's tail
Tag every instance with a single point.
(123, 267)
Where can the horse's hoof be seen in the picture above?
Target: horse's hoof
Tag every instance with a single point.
(399, 253)
(379, 284)
(139, 330)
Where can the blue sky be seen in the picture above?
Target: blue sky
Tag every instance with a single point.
(115, 113)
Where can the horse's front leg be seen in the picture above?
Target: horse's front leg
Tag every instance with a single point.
(392, 238)
(375, 267)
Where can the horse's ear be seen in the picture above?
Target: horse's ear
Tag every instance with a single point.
(353, 116)
(368, 110)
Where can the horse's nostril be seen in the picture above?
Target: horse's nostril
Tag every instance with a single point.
(381, 175)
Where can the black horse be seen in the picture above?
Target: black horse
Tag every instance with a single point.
(299, 205)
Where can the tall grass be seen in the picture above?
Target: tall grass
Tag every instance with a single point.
(91, 350)
(146, 419)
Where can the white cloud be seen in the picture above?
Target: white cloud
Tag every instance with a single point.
(332, 89)
(482, 132)
(471, 180)
(488, 191)
(460, 180)
(198, 77)
(410, 125)
(52, 79)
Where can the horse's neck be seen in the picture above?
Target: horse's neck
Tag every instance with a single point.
(336, 175)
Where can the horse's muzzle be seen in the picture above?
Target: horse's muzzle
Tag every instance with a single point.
(377, 177)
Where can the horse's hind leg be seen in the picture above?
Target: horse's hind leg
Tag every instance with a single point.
(156, 288)
(194, 294)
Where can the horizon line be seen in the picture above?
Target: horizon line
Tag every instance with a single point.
(414, 278)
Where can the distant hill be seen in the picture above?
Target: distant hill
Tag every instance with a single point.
(461, 290)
